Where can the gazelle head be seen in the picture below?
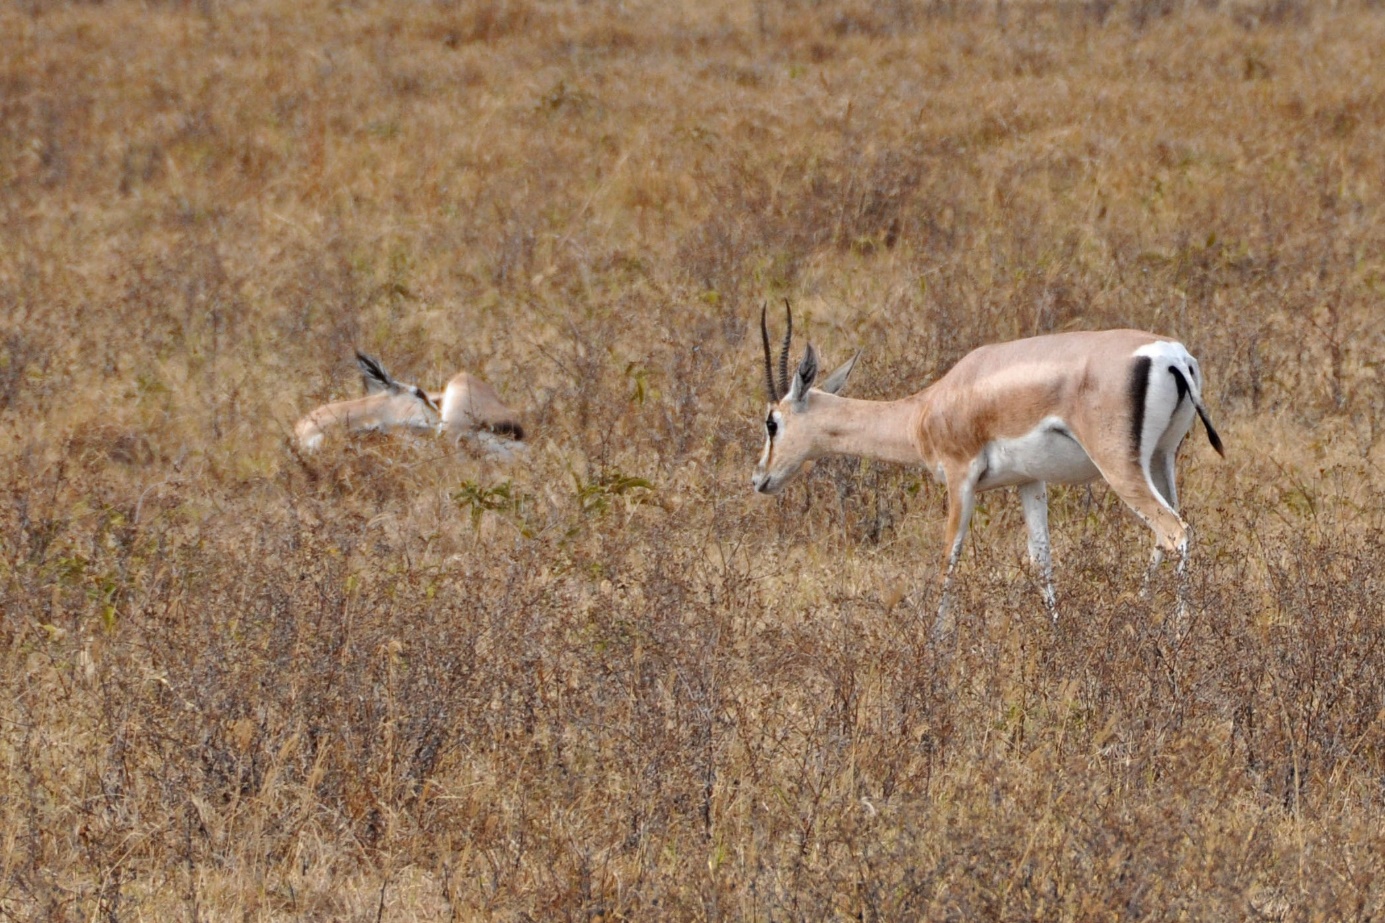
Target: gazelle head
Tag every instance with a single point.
(793, 434)
(403, 406)
(388, 405)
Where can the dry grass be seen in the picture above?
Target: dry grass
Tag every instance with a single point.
(609, 683)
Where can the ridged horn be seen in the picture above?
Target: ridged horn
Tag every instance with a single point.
(784, 353)
(769, 363)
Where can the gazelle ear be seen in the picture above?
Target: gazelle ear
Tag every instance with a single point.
(834, 382)
(805, 376)
(373, 375)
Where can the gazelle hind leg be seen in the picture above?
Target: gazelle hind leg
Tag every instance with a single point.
(1181, 585)
(1034, 499)
(1171, 536)
(1161, 474)
(1156, 557)
(1136, 486)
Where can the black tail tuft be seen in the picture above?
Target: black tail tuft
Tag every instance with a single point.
(508, 428)
(1184, 389)
(1212, 436)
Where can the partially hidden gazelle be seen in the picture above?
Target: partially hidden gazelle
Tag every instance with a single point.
(388, 405)
(1065, 408)
(467, 410)
(473, 412)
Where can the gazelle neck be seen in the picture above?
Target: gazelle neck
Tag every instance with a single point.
(882, 430)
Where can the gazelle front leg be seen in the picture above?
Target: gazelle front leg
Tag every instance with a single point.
(1034, 499)
(961, 502)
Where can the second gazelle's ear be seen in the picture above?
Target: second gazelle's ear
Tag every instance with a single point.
(373, 375)
(803, 378)
(834, 382)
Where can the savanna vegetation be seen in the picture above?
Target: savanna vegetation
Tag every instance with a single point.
(392, 682)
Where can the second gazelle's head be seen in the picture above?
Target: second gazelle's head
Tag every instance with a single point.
(793, 432)
(395, 405)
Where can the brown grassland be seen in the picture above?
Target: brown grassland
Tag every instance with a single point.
(389, 682)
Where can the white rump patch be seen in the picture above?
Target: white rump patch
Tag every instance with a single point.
(1167, 419)
(1170, 352)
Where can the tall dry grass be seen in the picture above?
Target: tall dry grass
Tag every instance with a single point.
(392, 683)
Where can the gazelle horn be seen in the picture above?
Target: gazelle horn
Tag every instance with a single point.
(784, 353)
(769, 363)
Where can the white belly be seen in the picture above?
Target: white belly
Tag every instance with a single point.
(1046, 453)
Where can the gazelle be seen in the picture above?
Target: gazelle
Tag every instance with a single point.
(388, 405)
(472, 411)
(1065, 408)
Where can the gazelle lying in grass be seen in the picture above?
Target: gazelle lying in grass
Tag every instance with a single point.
(388, 405)
(1065, 408)
(467, 410)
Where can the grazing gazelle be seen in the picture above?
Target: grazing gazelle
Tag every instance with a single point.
(1065, 408)
(388, 405)
(472, 411)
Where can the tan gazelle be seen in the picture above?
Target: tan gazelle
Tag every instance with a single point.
(473, 412)
(1065, 408)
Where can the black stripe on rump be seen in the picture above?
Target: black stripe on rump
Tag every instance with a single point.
(1139, 388)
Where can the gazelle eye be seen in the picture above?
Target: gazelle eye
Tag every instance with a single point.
(771, 427)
